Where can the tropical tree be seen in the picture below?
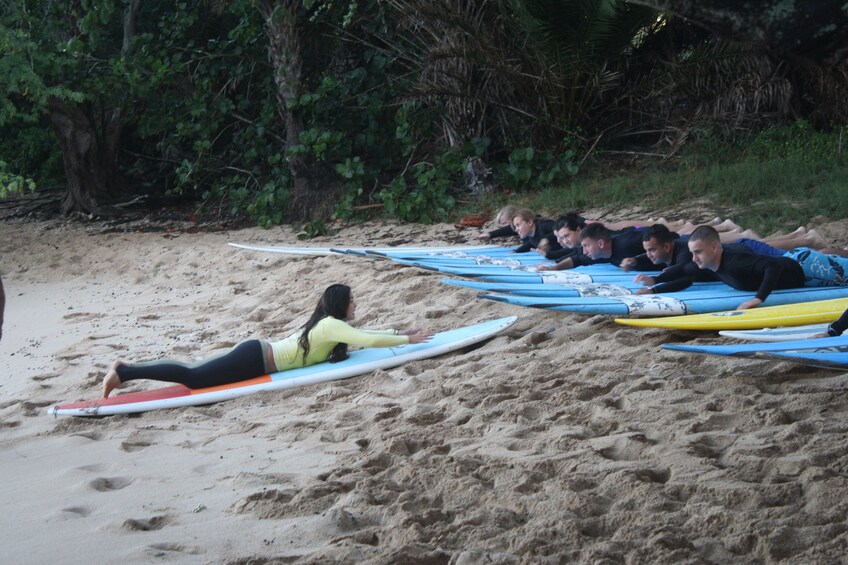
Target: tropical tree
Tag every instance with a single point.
(50, 51)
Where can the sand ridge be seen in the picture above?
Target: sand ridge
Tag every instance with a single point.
(565, 439)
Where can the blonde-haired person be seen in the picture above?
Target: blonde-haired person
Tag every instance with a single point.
(536, 234)
(504, 222)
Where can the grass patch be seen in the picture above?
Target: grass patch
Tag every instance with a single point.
(779, 178)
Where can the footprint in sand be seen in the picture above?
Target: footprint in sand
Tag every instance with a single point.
(45, 377)
(130, 446)
(104, 484)
(626, 447)
(161, 549)
(82, 316)
(93, 468)
(80, 511)
(33, 408)
(92, 435)
(147, 524)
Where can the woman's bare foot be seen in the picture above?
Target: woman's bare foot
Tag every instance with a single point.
(111, 381)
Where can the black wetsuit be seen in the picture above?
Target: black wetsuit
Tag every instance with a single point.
(625, 243)
(680, 255)
(544, 231)
(504, 231)
(839, 326)
(563, 253)
(741, 269)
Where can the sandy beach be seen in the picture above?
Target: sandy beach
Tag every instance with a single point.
(566, 439)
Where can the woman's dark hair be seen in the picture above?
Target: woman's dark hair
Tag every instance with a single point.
(334, 302)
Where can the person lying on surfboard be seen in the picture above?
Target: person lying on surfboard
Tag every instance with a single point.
(601, 245)
(533, 231)
(504, 222)
(734, 265)
(663, 250)
(324, 337)
(836, 328)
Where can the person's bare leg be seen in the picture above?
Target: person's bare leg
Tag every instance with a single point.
(810, 239)
(839, 252)
(111, 381)
(801, 231)
(622, 224)
(727, 224)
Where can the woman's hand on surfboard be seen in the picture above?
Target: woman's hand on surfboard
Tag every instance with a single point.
(417, 335)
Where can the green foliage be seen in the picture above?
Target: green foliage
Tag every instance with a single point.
(535, 170)
(11, 183)
(32, 150)
(426, 197)
(795, 141)
(780, 177)
(313, 229)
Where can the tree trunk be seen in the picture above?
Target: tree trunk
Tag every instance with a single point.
(90, 146)
(312, 195)
(89, 161)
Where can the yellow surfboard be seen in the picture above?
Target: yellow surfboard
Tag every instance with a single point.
(819, 312)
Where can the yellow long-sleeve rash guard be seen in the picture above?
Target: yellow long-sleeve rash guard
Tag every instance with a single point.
(324, 337)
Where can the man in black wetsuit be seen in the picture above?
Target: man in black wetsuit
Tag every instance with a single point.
(735, 266)
(662, 249)
(600, 245)
(567, 232)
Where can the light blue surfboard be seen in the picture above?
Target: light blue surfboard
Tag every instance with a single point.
(671, 304)
(536, 289)
(527, 274)
(829, 360)
(821, 345)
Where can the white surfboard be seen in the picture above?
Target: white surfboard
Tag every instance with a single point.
(777, 334)
(338, 250)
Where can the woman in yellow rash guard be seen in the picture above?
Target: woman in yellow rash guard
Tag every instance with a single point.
(324, 337)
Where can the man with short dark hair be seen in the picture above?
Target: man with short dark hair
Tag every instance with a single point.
(600, 245)
(734, 265)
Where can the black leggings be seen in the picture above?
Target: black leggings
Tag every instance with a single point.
(244, 361)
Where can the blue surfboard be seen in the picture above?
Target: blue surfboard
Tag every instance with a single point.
(837, 344)
(827, 360)
(671, 304)
(521, 275)
(537, 289)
